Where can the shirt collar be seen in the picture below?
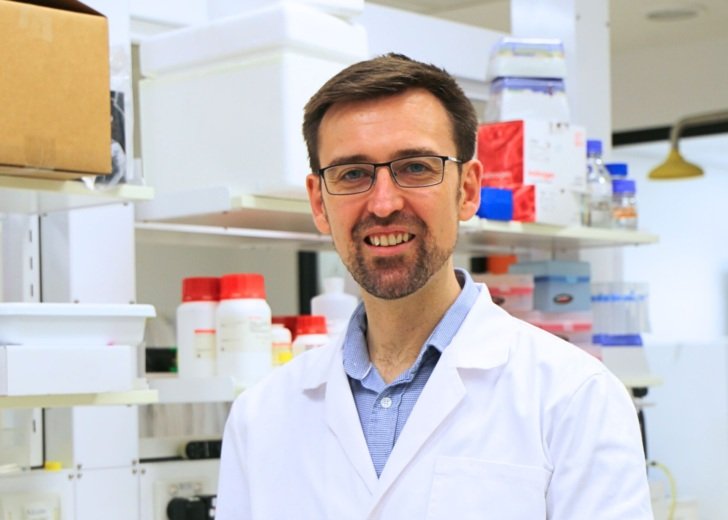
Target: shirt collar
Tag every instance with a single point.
(356, 355)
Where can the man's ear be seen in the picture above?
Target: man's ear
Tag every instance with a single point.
(470, 189)
(315, 198)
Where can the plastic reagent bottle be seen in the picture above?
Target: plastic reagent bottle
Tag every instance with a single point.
(196, 343)
(336, 305)
(598, 206)
(624, 204)
(310, 334)
(281, 347)
(243, 329)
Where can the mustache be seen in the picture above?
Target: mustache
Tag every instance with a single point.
(396, 218)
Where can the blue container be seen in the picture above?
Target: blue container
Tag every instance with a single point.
(496, 204)
(559, 285)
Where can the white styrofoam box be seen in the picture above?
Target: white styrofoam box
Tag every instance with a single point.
(533, 151)
(341, 8)
(527, 58)
(236, 120)
(280, 26)
(110, 493)
(31, 506)
(47, 370)
(73, 324)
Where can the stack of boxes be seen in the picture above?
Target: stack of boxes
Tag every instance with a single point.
(222, 103)
(533, 158)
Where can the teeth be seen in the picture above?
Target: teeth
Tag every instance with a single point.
(389, 240)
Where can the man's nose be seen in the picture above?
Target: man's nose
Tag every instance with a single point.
(386, 196)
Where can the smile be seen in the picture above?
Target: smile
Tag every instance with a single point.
(388, 240)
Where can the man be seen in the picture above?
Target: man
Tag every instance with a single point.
(437, 403)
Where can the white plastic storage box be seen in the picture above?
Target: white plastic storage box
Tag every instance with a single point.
(47, 370)
(624, 355)
(73, 324)
(559, 285)
(222, 103)
(513, 292)
(574, 327)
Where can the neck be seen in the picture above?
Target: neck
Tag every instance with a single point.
(396, 329)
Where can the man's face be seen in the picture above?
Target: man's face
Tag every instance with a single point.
(392, 239)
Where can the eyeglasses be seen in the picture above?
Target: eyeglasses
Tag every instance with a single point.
(408, 172)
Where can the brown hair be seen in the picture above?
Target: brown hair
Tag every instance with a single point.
(385, 76)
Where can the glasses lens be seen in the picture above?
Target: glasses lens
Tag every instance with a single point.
(415, 172)
(348, 178)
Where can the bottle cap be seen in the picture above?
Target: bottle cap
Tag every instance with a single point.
(617, 169)
(242, 285)
(52, 465)
(623, 186)
(200, 289)
(593, 147)
(310, 324)
(333, 284)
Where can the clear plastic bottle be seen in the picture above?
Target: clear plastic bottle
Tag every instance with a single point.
(624, 204)
(196, 327)
(336, 305)
(243, 329)
(310, 333)
(598, 199)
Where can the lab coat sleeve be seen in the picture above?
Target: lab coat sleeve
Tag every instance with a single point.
(233, 492)
(596, 450)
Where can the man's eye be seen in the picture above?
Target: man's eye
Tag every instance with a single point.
(352, 174)
(416, 167)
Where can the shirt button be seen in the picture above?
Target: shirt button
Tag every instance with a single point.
(386, 402)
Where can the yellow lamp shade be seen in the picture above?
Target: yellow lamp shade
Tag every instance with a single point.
(675, 167)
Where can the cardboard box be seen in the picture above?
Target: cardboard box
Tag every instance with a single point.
(532, 151)
(55, 90)
(547, 204)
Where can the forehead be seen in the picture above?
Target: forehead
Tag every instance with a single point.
(414, 118)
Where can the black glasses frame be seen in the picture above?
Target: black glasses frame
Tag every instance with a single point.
(444, 158)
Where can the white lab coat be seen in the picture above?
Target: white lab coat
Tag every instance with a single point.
(514, 423)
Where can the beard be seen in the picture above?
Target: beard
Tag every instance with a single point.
(394, 277)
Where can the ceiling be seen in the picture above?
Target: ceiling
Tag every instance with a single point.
(629, 24)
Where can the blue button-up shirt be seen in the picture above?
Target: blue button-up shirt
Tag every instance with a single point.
(384, 409)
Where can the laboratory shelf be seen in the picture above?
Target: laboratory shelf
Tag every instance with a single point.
(132, 397)
(490, 234)
(194, 390)
(27, 195)
(640, 381)
(220, 216)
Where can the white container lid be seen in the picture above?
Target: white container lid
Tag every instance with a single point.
(278, 27)
(73, 323)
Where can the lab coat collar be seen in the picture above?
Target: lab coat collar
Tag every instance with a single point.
(483, 341)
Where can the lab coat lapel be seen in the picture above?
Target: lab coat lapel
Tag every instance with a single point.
(439, 397)
(343, 420)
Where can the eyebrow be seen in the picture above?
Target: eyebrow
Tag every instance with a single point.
(400, 154)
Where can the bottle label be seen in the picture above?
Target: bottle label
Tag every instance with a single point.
(251, 334)
(203, 343)
(282, 353)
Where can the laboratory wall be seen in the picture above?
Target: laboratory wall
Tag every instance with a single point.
(687, 272)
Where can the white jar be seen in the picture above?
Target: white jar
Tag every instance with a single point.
(281, 345)
(196, 338)
(336, 305)
(310, 334)
(243, 329)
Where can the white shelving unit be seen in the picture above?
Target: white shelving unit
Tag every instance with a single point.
(28, 195)
(220, 216)
(132, 397)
